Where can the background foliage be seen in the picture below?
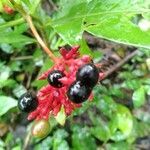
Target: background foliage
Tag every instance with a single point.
(119, 113)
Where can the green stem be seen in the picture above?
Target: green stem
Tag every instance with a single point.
(28, 19)
(11, 23)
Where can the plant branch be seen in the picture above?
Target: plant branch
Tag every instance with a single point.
(22, 58)
(27, 140)
(118, 65)
(39, 39)
(11, 23)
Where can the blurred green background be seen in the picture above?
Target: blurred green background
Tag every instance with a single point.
(118, 118)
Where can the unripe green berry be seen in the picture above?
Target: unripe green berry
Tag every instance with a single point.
(41, 128)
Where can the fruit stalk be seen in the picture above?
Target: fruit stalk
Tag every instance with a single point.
(27, 139)
(39, 39)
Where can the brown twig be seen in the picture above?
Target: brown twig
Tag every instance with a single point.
(118, 65)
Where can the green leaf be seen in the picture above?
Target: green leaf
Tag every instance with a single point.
(39, 83)
(81, 138)
(109, 19)
(131, 84)
(6, 48)
(14, 37)
(101, 129)
(118, 146)
(125, 122)
(59, 142)
(61, 117)
(139, 97)
(1, 7)
(47, 64)
(9, 83)
(84, 49)
(140, 129)
(18, 147)
(46, 143)
(106, 105)
(116, 91)
(121, 31)
(30, 5)
(62, 145)
(6, 103)
(121, 124)
(34, 5)
(19, 90)
(148, 63)
(4, 72)
(147, 89)
(2, 144)
(38, 57)
(60, 134)
(101, 132)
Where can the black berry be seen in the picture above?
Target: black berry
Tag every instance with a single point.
(78, 92)
(27, 102)
(53, 78)
(88, 74)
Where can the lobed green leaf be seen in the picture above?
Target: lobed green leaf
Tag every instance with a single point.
(6, 103)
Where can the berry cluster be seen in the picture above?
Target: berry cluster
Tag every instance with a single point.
(70, 82)
(86, 78)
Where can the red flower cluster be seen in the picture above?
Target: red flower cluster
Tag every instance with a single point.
(51, 99)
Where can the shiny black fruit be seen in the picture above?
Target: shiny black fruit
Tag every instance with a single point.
(53, 78)
(88, 74)
(27, 102)
(78, 92)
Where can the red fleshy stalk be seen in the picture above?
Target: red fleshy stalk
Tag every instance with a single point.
(52, 99)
